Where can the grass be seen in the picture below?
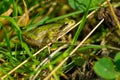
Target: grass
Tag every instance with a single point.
(79, 50)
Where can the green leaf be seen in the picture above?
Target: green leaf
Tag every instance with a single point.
(117, 57)
(81, 4)
(105, 68)
(78, 4)
(117, 61)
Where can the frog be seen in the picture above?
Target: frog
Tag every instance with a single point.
(47, 33)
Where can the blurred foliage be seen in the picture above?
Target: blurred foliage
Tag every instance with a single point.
(99, 55)
(5, 5)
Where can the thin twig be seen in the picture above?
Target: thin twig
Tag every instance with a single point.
(113, 14)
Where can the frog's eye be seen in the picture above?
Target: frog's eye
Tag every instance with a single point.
(63, 26)
(66, 23)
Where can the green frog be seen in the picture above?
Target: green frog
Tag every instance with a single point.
(47, 33)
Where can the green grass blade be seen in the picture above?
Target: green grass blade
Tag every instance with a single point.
(27, 49)
(81, 25)
(17, 29)
(33, 26)
(79, 29)
(7, 40)
(15, 10)
(69, 14)
(15, 26)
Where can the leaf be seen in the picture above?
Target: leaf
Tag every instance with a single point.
(117, 61)
(23, 21)
(81, 4)
(105, 68)
(78, 4)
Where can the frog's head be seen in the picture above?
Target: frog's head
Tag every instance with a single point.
(67, 23)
